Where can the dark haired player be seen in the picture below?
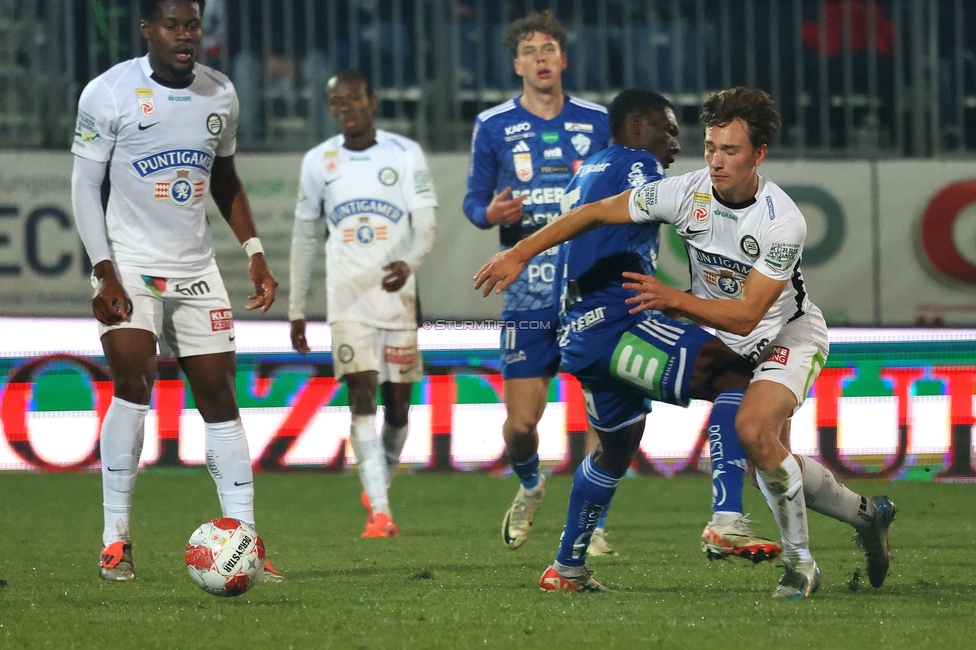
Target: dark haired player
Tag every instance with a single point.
(374, 190)
(164, 127)
(745, 236)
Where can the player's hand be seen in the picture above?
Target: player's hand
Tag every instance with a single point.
(298, 336)
(500, 271)
(397, 274)
(264, 284)
(110, 304)
(503, 211)
(651, 292)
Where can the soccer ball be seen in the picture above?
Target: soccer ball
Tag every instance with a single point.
(224, 557)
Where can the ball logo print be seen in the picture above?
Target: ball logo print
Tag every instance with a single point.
(701, 203)
(224, 557)
(144, 97)
(523, 166)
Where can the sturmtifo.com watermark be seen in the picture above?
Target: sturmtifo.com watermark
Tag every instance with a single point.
(487, 325)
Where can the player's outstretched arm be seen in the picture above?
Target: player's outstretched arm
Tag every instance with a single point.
(228, 192)
(506, 266)
(738, 317)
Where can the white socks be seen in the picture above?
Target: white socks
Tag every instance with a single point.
(120, 446)
(783, 489)
(393, 439)
(229, 462)
(825, 495)
(371, 460)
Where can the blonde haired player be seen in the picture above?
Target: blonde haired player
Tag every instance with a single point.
(164, 127)
(375, 192)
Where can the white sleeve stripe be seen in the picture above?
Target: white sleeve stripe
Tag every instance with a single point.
(497, 110)
(586, 104)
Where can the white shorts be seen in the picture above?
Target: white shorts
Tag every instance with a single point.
(796, 356)
(392, 353)
(189, 316)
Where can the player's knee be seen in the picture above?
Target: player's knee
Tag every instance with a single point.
(615, 459)
(396, 415)
(751, 432)
(134, 388)
(362, 403)
(522, 423)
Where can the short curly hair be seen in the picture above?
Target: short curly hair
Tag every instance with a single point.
(751, 105)
(544, 22)
(147, 8)
(634, 101)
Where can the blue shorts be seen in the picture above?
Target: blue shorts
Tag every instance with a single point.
(651, 360)
(528, 344)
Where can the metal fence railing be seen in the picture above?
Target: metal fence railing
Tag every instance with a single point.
(853, 78)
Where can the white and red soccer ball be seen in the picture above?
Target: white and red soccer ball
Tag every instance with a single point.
(225, 557)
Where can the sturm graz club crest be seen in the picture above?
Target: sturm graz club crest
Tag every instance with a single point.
(345, 353)
(388, 176)
(749, 246)
(214, 124)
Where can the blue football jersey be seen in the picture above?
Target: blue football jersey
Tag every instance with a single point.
(588, 282)
(511, 147)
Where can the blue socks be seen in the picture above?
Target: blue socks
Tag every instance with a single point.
(602, 524)
(592, 490)
(527, 469)
(728, 459)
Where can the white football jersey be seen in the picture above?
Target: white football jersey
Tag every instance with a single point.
(366, 198)
(726, 241)
(161, 143)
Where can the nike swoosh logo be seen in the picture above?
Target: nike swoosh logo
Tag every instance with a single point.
(143, 127)
(112, 469)
(696, 232)
(765, 368)
(244, 483)
(231, 337)
(787, 498)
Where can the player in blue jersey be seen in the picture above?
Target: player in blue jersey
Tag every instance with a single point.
(747, 284)
(650, 356)
(605, 174)
(523, 153)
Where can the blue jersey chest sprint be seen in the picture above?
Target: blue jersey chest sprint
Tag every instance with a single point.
(536, 158)
(588, 280)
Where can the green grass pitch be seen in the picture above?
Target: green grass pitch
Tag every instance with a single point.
(448, 581)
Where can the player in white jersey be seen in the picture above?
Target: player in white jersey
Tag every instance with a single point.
(745, 239)
(375, 192)
(164, 127)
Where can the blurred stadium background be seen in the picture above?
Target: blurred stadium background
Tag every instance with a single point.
(879, 105)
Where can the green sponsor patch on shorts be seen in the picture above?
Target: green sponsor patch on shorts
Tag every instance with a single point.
(638, 363)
